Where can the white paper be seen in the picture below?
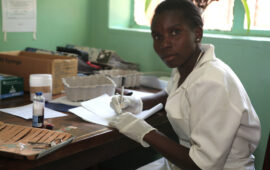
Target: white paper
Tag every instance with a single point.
(88, 116)
(100, 106)
(19, 15)
(98, 110)
(26, 112)
(147, 113)
(140, 94)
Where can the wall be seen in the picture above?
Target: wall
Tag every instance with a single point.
(248, 57)
(59, 23)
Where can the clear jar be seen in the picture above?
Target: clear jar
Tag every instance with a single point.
(41, 83)
(38, 110)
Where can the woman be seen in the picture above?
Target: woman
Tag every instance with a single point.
(205, 102)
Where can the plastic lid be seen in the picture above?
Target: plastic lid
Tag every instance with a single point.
(38, 93)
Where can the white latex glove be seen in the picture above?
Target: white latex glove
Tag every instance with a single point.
(131, 126)
(128, 104)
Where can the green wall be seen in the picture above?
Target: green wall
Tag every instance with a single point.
(59, 23)
(86, 22)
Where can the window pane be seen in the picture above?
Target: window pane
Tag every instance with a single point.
(218, 15)
(259, 14)
(140, 16)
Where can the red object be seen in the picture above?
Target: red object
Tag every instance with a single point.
(93, 65)
(48, 125)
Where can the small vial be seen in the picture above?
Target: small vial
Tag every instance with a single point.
(38, 110)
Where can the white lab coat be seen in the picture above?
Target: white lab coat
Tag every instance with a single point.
(212, 115)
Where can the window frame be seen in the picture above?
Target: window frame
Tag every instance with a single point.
(238, 28)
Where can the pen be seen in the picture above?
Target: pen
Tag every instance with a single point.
(123, 89)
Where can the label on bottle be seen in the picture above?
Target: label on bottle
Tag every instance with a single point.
(38, 121)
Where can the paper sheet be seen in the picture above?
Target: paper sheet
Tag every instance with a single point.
(88, 116)
(100, 106)
(19, 15)
(26, 112)
(98, 110)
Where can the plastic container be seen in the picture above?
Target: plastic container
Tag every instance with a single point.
(132, 77)
(81, 88)
(41, 83)
(38, 110)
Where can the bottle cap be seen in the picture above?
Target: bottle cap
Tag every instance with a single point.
(38, 93)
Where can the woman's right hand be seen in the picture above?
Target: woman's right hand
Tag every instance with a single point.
(121, 104)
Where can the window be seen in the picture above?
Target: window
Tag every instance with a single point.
(223, 16)
(140, 16)
(259, 14)
(218, 15)
(222, 10)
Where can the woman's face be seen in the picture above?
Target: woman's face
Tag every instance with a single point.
(174, 41)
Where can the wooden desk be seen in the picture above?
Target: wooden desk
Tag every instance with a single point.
(92, 145)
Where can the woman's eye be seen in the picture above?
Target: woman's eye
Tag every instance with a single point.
(174, 32)
(156, 37)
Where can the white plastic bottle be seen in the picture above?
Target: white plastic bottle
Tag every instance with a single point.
(38, 110)
(41, 83)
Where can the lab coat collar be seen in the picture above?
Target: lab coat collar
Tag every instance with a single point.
(209, 54)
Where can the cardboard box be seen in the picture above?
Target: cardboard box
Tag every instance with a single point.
(22, 64)
(10, 86)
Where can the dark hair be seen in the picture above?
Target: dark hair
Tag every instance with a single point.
(189, 11)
